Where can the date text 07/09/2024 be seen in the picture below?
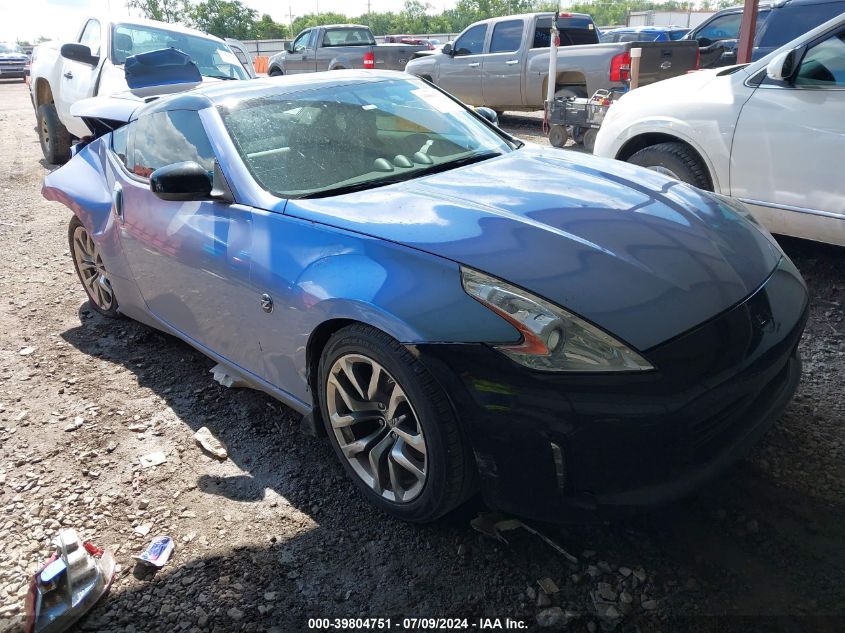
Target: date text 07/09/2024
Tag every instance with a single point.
(417, 624)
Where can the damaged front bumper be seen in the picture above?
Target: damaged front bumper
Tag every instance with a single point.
(561, 447)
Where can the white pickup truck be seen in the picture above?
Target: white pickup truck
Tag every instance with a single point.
(92, 65)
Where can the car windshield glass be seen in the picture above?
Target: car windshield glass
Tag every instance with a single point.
(213, 59)
(329, 141)
(7, 47)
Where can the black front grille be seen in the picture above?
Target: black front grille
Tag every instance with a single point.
(708, 437)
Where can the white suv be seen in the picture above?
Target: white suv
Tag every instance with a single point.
(769, 134)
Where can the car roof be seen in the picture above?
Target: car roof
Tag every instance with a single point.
(340, 26)
(220, 93)
(165, 26)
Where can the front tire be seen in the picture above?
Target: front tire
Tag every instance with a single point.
(675, 160)
(275, 72)
(391, 426)
(91, 270)
(52, 134)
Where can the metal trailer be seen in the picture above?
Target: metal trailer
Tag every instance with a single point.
(579, 118)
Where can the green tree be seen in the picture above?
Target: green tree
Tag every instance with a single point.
(267, 29)
(316, 19)
(224, 18)
(161, 10)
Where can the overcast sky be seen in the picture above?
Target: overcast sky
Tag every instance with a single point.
(61, 19)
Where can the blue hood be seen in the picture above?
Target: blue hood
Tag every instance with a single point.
(642, 256)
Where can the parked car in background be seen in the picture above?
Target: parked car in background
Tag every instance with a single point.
(339, 47)
(777, 24)
(644, 34)
(13, 61)
(768, 134)
(409, 39)
(503, 63)
(244, 56)
(456, 310)
(63, 73)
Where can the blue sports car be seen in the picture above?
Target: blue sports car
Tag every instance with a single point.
(458, 310)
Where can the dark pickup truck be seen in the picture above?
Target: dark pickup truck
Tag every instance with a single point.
(337, 46)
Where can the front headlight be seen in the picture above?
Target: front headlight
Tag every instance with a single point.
(552, 338)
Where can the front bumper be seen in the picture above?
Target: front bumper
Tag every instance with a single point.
(556, 446)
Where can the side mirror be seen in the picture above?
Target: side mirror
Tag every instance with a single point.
(289, 47)
(783, 65)
(447, 49)
(79, 53)
(489, 115)
(181, 182)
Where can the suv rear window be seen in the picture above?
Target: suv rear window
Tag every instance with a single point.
(789, 22)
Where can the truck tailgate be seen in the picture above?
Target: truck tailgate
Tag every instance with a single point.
(395, 56)
(662, 60)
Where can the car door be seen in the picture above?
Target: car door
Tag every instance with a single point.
(789, 137)
(461, 75)
(303, 55)
(501, 67)
(78, 79)
(190, 260)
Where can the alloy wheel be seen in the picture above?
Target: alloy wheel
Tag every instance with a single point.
(376, 428)
(92, 271)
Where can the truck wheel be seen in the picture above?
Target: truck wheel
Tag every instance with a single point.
(590, 139)
(675, 160)
(54, 137)
(572, 91)
(558, 135)
(275, 72)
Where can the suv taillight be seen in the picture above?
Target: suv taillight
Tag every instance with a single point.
(620, 66)
(697, 59)
(369, 59)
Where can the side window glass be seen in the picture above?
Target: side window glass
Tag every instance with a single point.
(170, 137)
(824, 65)
(119, 142)
(725, 27)
(301, 42)
(542, 33)
(91, 37)
(312, 39)
(471, 42)
(507, 37)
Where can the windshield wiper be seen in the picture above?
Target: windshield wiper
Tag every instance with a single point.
(402, 177)
(220, 77)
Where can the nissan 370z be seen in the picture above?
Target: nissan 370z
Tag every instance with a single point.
(458, 310)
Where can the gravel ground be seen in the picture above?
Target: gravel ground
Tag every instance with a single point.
(275, 534)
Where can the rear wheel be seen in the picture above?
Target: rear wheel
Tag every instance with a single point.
(391, 426)
(53, 135)
(675, 160)
(91, 270)
(558, 135)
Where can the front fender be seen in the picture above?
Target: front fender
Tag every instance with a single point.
(83, 185)
(679, 129)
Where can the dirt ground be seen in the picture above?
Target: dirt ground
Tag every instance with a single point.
(276, 535)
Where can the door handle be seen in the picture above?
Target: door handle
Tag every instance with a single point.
(474, 65)
(117, 200)
(68, 75)
(512, 62)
